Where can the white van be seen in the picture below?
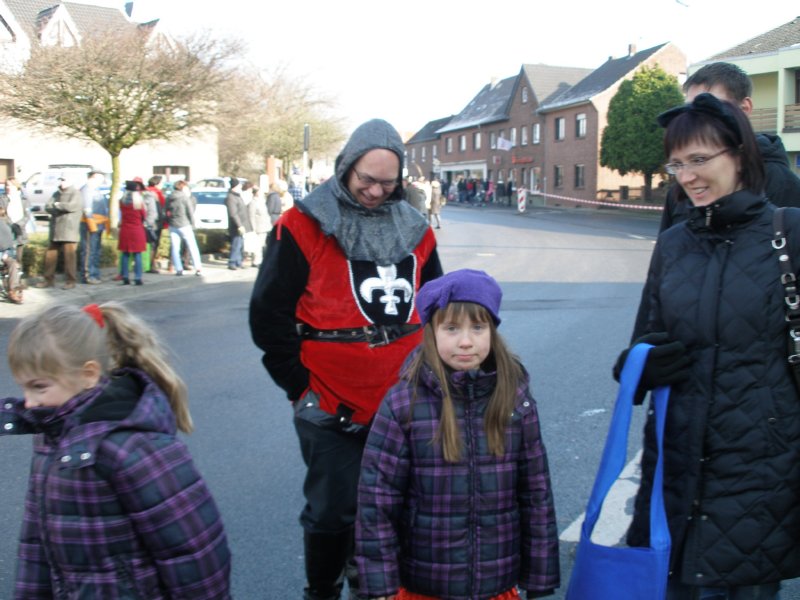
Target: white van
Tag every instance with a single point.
(40, 187)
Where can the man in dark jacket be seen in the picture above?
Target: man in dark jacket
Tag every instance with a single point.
(66, 210)
(237, 222)
(333, 309)
(728, 82)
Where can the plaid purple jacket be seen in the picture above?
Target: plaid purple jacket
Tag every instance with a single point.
(115, 507)
(468, 530)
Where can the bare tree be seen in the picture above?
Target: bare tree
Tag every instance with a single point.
(122, 88)
(277, 106)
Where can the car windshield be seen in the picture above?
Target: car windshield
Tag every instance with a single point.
(210, 197)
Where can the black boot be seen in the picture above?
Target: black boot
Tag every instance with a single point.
(326, 556)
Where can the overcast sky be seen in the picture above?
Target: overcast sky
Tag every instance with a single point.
(413, 61)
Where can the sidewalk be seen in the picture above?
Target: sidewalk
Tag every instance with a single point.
(215, 270)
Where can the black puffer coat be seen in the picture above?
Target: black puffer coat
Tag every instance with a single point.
(732, 442)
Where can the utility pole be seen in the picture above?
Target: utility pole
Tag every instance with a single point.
(306, 137)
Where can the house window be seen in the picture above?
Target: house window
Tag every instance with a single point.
(493, 141)
(536, 133)
(524, 95)
(523, 135)
(422, 152)
(580, 176)
(462, 143)
(413, 154)
(449, 145)
(561, 128)
(513, 133)
(433, 151)
(580, 125)
(476, 140)
(558, 176)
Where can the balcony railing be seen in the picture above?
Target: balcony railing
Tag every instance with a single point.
(791, 119)
(764, 120)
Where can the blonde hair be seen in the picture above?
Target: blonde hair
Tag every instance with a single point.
(501, 404)
(62, 338)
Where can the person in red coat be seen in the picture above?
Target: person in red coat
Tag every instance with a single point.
(132, 239)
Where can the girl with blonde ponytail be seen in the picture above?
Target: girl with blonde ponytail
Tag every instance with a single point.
(454, 497)
(109, 475)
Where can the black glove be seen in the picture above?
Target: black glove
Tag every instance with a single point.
(667, 362)
(16, 230)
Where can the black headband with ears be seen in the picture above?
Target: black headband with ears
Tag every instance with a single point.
(704, 103)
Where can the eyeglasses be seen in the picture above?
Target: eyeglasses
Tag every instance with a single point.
(387, 184)
(696, 162)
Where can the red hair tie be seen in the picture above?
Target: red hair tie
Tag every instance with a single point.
(93, 310)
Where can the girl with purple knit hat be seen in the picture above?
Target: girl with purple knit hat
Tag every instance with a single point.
(454, 498)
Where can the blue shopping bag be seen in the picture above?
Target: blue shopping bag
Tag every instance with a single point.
(623, 573)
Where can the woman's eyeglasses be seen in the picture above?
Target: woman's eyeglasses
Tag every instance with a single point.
(696, 162)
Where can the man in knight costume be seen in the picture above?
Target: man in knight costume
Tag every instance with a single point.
(333, 310)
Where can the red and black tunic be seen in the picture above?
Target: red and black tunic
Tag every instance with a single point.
(306, 279)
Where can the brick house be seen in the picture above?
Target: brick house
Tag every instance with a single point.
(423, 150)
(495, 136)
(24, 151)
(541, 129)
(573, 122)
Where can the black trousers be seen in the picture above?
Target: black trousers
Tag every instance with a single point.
(333, 461)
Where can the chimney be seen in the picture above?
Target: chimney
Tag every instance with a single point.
(631, 49)
(129, 9)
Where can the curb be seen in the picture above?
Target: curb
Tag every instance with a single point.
(214, 271)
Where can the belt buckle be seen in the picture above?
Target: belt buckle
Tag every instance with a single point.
(371, 332)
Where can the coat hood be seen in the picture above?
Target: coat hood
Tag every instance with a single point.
(128, 400)
(384, 235)
(772, 148)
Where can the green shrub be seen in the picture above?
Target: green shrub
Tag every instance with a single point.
(210, 241)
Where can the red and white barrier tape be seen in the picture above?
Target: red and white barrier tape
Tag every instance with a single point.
(595, 202)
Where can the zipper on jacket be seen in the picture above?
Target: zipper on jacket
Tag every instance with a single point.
(709, 212)
(469, 434)
(60, 591)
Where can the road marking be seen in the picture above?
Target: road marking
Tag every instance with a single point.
(615, 518)
(592, 412)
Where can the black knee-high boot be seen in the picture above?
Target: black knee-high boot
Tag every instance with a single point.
(325, 557)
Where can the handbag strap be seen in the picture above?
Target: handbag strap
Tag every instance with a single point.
(616, 449)
(790, 292)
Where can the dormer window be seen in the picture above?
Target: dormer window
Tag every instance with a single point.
(524, 95)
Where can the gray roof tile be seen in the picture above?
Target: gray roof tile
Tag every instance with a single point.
(87, 17)
(599, 80)
(548, 81)
(490, 105)
(429, 132)
(781, 37)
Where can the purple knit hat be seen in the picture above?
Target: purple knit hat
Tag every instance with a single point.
(465, 285)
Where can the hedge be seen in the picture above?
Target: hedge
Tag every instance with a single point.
(210, 241)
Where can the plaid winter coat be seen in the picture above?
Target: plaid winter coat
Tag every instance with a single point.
(115, 508)
(466, 530)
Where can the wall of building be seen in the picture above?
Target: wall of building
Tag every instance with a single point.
(33, 151)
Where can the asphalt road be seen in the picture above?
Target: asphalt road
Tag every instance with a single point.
(571, 282)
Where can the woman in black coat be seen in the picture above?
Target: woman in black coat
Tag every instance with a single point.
(732, 441)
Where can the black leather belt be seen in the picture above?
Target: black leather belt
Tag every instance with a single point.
(374, 335)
